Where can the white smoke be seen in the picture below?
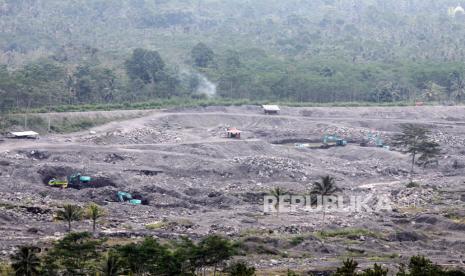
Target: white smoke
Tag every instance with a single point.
(197, 83)
(205, 86)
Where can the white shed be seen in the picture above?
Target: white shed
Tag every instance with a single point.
(271, 109)
(24, 134)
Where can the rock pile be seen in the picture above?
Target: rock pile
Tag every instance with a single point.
(351, 134)
(266, 167)
(135, 136)
(413, 197)
(443, 138)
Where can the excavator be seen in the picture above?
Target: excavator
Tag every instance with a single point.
(333, 140)
(72, 180)
(127, 197)
(373, 139)
(77, 179)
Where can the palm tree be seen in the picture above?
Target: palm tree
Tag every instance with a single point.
(70, 213)
(277, 193)
(326, 187)
(111, 264)
(94, 212)
(26, 262)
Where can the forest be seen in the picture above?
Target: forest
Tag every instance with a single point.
(55, 53)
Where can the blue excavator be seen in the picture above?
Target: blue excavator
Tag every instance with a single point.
(127, 197)
(333, 140)
(373, 139)
(73, 181)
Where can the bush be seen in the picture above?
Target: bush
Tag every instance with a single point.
(413, 184)
(240, 269)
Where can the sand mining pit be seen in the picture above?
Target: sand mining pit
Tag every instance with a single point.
(182, 164)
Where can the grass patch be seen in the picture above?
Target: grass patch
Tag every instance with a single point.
(255, 232)
(66, 126)
(59, 124)
(156, 225)
(384, 258)
(164, 224)
(192, 102)
(413, 184)
(455, 218)
(297, 240)
(6, 269)
(411, 210)
(350, 233)
(8, 206)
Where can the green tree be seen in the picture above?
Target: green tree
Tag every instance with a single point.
(348, 268)
(69, 213)
(94, 212)
(202, 55)
(457, 87)
(111, 264)
(149, 257)
(325, 187)
(26, 262)
(429, 153)
(75, 254)
(377, 270)
(240, 269)
(188, 255)
(433, 91)
(291, 273)
(93, 84)
(415, 140)
(214, 250)
(145, 65)
(422, 266)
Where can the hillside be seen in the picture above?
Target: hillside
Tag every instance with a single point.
(73, 52)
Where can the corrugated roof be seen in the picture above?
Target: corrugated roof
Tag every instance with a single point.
(24, 133)
(233, 130)
(271, 107)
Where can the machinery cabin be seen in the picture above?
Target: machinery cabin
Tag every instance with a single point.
(333, 140)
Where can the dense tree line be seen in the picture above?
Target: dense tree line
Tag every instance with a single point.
(145, 75)
(81, 254)
(92, 51)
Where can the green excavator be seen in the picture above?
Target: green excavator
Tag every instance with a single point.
(73, 180)
(374, 139)
(333, 140)
(77, 179)
(127, 197)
